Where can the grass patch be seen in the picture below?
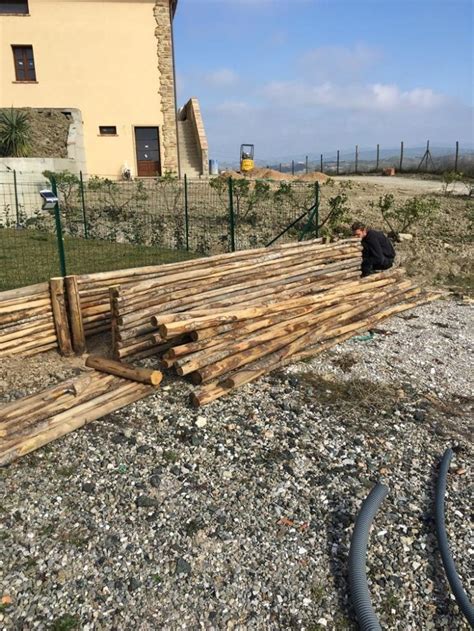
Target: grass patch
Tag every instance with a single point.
(29, 256)
(66, 622)
(362, 393)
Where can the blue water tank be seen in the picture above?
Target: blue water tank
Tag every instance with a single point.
(213, 167)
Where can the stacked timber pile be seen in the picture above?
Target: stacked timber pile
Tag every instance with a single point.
(93, 289)
(36, 420)
(26, 321)
(244, 279)
(235, 345)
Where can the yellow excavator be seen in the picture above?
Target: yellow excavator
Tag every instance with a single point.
(246, 158)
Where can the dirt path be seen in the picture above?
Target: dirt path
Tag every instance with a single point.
(407, 184)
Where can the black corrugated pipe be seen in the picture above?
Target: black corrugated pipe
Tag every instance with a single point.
(357, 557)
(460, 595)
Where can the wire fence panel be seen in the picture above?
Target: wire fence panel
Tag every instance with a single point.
(209, 224)
(28, 245)
(113, 225)
(105, 225)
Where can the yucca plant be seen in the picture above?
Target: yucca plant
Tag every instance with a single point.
(15, 133)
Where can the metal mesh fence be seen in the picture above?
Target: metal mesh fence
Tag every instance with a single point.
(104, 224)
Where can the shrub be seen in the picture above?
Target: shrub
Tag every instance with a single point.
(402, 216)
(15, 133)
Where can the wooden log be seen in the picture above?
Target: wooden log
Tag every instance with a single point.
(154, 349)
(21, 408)
(139, 317)
(232, 315)
(234, 271)
(24, 304)
(97, 330)
(159, 291)
(18, 422)
(217, 388)
(27, 314)
(19, 349)
(75, 315)
(114, 293)
(296, 348)
(207, 362)
(61, 321)
(141, 375)
(43, 348)
(25, 332)
(79, 416)
(132, 273)
(21, 292)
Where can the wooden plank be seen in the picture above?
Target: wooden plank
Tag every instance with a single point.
(61, 321)
(75, 315)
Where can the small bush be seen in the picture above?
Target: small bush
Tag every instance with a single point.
(15, 133)
(400, 217)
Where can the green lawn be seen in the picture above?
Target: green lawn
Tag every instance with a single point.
(28, 257)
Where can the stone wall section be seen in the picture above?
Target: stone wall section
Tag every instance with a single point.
(164, 38)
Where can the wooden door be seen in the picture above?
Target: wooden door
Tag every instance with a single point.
(147, 142)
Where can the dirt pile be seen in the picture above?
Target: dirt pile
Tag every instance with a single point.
(264, 173)
(49, 131)
(314, 176)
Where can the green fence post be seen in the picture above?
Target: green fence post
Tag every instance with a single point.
(231, 215)
(186, 215)
(400, 166)
(17, 205)
(313, 217)
(83, 202)
(59, 230)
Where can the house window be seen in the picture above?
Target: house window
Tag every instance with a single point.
(24, 63)
(108, 130)
(19, 7)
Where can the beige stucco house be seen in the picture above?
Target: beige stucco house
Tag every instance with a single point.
(109, 65)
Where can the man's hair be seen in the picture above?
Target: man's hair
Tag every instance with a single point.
(358, 225)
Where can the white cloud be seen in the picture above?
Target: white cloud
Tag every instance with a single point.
(338, 63)
(223, 77)
(233, 107)
(348, 97)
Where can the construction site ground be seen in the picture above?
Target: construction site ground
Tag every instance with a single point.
(239, 514)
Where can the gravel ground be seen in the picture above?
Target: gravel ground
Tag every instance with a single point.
(239, 515)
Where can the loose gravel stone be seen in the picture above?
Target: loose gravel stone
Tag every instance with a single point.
(148, 519)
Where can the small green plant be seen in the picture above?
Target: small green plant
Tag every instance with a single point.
(170, 456)
(449, 180)
(15, 133)
(66, 622)
(402, 216)
(338, 214)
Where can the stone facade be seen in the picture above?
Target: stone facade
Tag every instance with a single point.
(163, 12)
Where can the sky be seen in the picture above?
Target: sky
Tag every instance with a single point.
(299, 77)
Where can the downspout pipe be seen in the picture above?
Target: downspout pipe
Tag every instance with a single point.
(359, 589)
(460, 595)
(172, 13)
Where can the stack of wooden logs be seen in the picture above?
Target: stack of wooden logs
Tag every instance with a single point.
(231, 346)
(244, 279)
(26, 321)
(93, 289)
(31, 422)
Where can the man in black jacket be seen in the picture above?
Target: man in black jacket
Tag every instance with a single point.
(377, 250)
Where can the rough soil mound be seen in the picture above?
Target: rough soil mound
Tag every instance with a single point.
(49, 131)
(231, 173)
(315, 176)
